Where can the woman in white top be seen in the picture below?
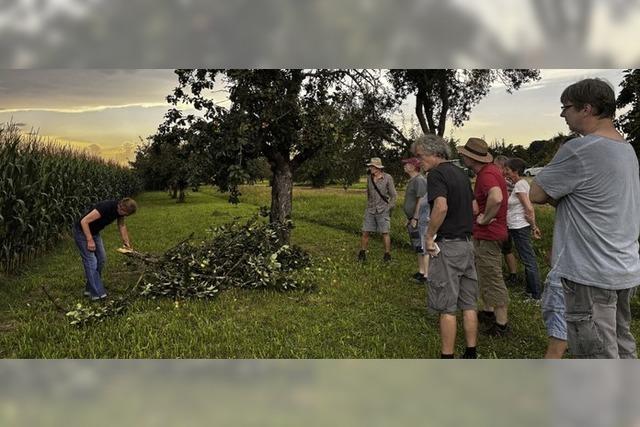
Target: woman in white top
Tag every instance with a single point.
(521, 222)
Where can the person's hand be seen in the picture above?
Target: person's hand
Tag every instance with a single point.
(537, 234)
(430, 246)
(480, 220)
(91, 245)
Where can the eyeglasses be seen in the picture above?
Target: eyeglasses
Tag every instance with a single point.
(566, 107)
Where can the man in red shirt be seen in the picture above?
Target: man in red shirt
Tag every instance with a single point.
(489, 233)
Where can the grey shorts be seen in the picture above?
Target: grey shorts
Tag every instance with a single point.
(415, 237)
(598, 321)
(453, 281)
(377, 223)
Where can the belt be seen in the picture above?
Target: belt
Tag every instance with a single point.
(453, 239)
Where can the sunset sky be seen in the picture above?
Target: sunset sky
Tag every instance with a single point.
(108, 111)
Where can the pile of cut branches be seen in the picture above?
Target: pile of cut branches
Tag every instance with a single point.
(249, 256)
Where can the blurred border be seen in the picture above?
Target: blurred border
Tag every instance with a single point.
(319, 33)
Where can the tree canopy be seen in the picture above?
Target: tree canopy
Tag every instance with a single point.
(630, 96)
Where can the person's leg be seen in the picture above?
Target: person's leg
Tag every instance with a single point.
(447, 333)
(553, 315)
(90, 264)
(364, 242)
(591, 321)
(386, 238)
(470, 324)
(101, 255)
(522, 242)
(512, 265)
(423, 262)
(493, 290)
(556, 348)
(626, 340)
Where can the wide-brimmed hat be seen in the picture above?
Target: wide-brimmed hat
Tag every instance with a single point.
(414, 161)
(476, 149)
(375, 162)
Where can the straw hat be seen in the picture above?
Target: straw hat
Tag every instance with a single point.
(375, 162)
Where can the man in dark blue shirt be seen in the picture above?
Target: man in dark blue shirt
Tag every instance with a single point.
(86, 233)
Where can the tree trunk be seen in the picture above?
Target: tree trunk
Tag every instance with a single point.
(281, 195)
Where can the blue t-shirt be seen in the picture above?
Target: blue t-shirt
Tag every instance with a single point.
(596, 182)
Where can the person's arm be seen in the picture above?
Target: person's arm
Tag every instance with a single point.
(494, 200)
(539, 196)
(124, 235)
(438, 214)
(393, 194)
(529, 214)
(84, 224)
(416, 214)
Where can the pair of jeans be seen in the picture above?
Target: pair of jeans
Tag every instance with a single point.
(522, 241)
(93, 262)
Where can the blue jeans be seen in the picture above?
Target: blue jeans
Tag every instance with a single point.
(93, 262)
(522, 241)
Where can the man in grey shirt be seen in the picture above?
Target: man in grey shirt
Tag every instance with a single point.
(381, 198)
(415, 206)
(595, 183)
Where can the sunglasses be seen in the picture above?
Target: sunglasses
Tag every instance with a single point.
(566, 107)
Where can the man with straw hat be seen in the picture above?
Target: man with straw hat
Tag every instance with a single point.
(489, 233)
(381, 198)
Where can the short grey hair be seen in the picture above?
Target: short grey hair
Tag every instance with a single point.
(431, 144)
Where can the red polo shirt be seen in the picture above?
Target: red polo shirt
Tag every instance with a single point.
(489, 177)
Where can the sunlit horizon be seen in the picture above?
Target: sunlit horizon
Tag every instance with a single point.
(109, 113)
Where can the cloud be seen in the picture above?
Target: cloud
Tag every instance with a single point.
(84, 109)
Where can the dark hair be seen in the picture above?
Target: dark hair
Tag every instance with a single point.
(517, 165)
(595, 92)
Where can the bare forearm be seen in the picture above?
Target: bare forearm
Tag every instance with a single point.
(438, 215)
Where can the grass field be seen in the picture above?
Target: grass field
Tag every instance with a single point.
(355, 311)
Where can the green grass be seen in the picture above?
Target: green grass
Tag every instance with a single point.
(355, 311)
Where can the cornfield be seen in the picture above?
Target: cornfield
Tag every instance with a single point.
(44, 188)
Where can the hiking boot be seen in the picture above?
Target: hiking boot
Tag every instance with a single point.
(362, 255)
(499, 331)
(386, 257)
(486, 318)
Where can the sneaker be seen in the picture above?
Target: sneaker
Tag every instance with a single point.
(386, 257)
(532, 300)
(512, 280)
(362, 255)
(496, 330)
(419, 277)
(100, 298)
(86, 294)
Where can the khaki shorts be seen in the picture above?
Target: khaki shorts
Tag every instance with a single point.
(493, 291)
(453, 281)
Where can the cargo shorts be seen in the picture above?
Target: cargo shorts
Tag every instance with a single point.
(598, 321)
(453, 281)
(493, 290)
